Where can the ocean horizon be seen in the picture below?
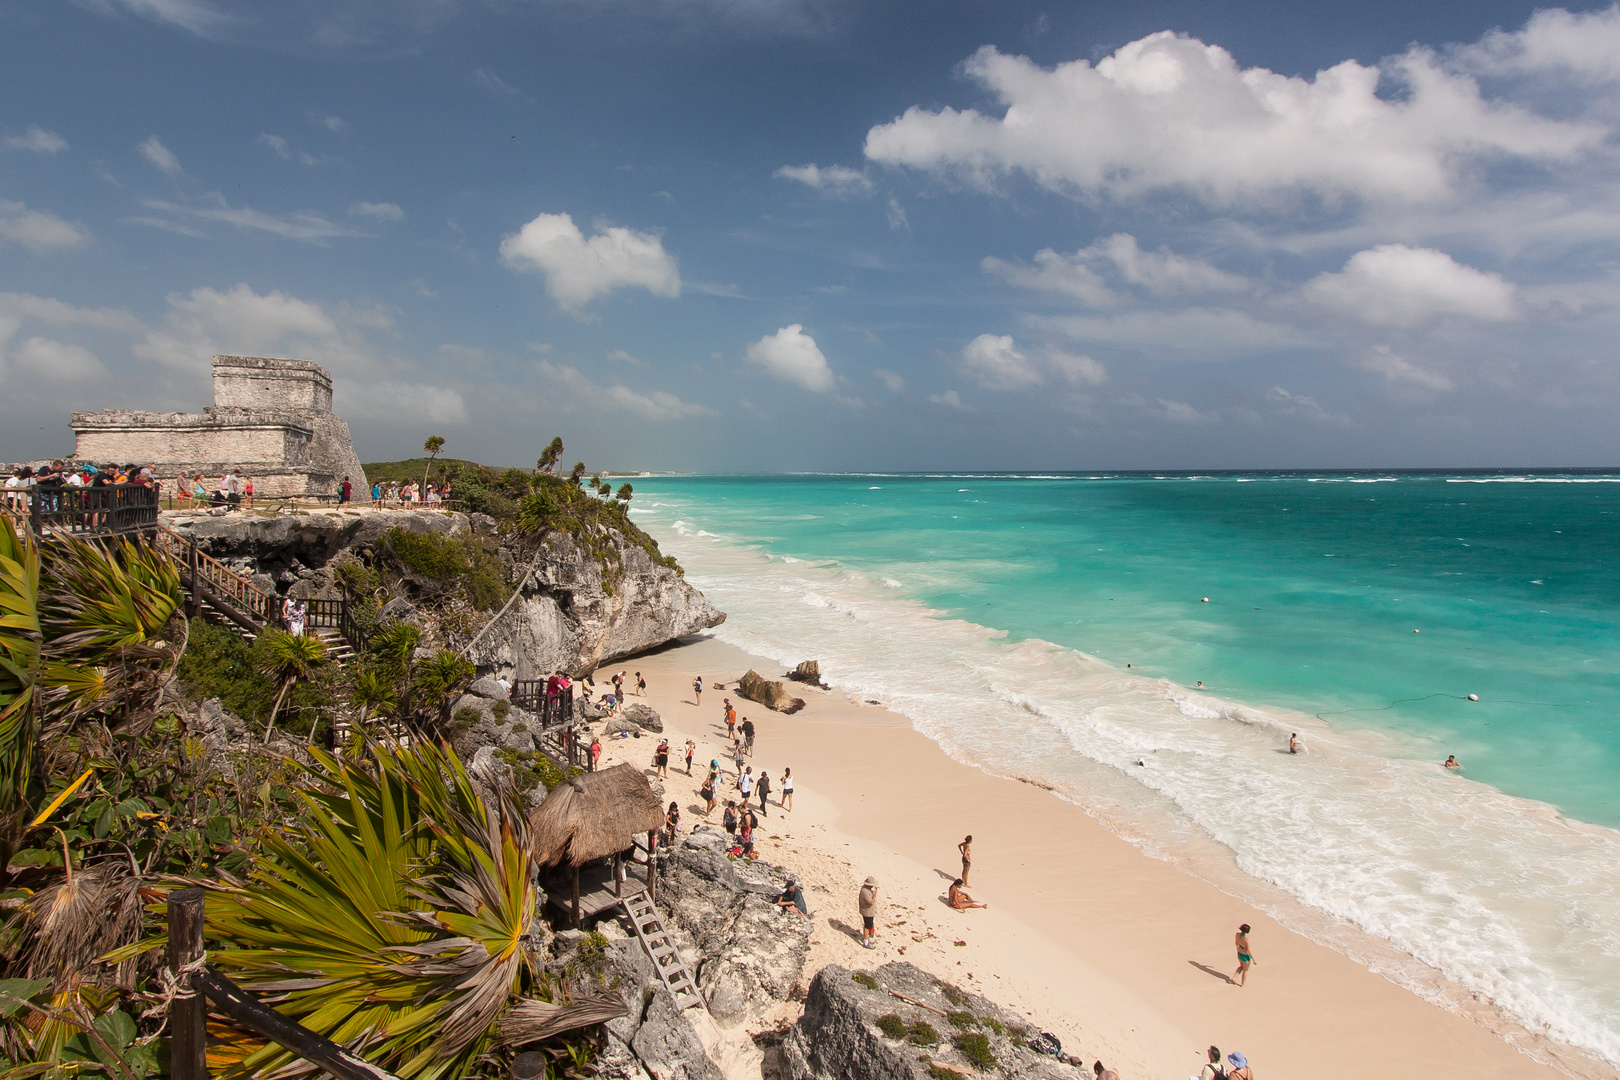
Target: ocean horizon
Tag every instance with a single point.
(1056, 627)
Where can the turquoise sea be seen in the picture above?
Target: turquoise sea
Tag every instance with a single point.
(1056, 627)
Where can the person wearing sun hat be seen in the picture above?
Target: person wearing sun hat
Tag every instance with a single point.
(1240, 1067)
(868, 904)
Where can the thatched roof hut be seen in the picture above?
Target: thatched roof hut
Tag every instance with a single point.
(593, 816)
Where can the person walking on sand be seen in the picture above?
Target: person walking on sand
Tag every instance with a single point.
(1213, 1069)
(1240, 1067)
(691, 748)
(764, 789)
(787, 789)
(745, 784)
(868, 903)
(596, 751)
(731, 720)
(697, 690)
(706, 792)
(748, 736)
(1245, 956)
(966, 848)
(959, 899)
(641, 685)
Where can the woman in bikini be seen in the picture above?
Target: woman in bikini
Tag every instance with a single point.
(966, 848)
(1245, 955)
(960, 900)
(706, 792)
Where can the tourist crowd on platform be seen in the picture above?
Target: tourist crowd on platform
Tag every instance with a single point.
(412, 494)
(51, 480)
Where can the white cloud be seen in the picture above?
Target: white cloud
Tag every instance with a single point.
(305, 225)
(950, 399)
(334, 124)
(654, 405)
(1162, 272)
(492, 82)
(25, 307)
(791, 355)
(193, 15)
(1168, 113)
(897, 216)
(381, 211)
(1554, 41)
(1397, 369)
(624, 357)
(831, 179)
(1399, 286)
(1077, 370)
(1300, 406)
(153, 150)
(38, 140)
(286, 151)
(46, 359)
(996, 364)
(891, 380)
(577, 270)
(1062, 274)
(37, 230)
(1179, 412)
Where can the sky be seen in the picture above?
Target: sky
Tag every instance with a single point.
(820, 235)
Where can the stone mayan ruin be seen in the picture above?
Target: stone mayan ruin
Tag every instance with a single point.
(271, 420)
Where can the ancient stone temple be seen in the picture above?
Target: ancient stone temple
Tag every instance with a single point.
(271, 420)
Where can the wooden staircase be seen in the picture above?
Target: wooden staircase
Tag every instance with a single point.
(660, 946)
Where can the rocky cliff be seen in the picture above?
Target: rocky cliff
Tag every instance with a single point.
(585, 600)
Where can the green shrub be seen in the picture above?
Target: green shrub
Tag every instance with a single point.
(463, 719)
(953, 995)
(975, 1046)
(218, 663)
(865, 980)
(994, 1025)
(892, 1026)
(940, 1072)
(923, 1033)
(439, 558)
(962, 1019)
(502, 710)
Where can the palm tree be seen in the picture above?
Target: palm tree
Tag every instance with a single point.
(395, 916)
(373, 693)
(577, 476)
(394, 647)
(434, 444)
(550, 456)
(289, 659)
(441, 676)
(625, 491)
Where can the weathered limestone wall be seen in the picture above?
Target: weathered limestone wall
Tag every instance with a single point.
(271, 420)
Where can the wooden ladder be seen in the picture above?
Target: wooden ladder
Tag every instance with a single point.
(666, 958)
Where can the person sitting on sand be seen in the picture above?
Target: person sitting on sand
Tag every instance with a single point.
(793, 897)
(966, 848)
(959, 899)
(1451, 762)
(1240, 1067)
(1104, 1073)
(1245, 956)
(1293, 743)
(1214, 1070)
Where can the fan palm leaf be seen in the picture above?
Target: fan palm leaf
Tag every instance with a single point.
(20, 641)
(395, 919)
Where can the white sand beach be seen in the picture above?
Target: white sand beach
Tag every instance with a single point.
(1123, 956)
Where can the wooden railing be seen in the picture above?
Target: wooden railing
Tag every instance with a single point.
(114, 510)
(553, 711)
(230, 592)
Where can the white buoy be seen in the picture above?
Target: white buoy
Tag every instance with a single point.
(1206, 599)
(1473, 697)
(1417, 631)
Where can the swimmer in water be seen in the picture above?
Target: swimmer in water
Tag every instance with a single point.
(1200, 684)
(1451, 762)
(1293, 743)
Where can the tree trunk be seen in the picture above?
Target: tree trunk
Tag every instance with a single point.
(270, 727)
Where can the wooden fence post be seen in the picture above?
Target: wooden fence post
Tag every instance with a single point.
(188, 1016)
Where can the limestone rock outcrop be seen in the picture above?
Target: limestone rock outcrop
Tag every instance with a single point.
(839, 1037)
(750, 952)
(576, 614)
(768, 692)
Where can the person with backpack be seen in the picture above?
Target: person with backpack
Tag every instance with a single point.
(1213, 1070)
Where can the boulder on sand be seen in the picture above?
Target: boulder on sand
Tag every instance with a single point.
(768, 692)
(643, 716)
(808, 672)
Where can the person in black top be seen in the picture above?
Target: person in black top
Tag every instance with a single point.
(748, 736)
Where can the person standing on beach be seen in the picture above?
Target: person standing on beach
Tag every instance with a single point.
(691, 748)
(868, 902)
(1245, 955)
(764, 789)
(697, 690)
(966, 848)
(641, 685)
(596, 751)
(745, 784)
(731, 720)
(706, 792)
(661, 759)
(748, 736)
(787, 789)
